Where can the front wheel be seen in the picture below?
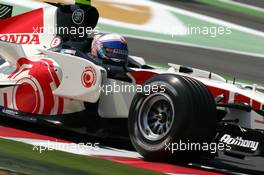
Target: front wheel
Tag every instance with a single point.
(182, 110)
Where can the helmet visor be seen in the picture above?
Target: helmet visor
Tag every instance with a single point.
(116, 55)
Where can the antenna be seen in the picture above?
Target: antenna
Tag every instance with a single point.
(210, 75)
(234, 80)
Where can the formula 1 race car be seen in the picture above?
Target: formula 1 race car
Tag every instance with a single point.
(160, 107)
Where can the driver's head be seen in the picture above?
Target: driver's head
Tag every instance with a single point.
(111, 48)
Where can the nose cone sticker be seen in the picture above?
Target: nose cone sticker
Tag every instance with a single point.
(89, 77)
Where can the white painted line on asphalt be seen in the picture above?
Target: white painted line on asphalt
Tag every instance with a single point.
(41, 146)
(243, 5)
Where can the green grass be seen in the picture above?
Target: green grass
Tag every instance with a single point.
(233, 7)
(21, 158)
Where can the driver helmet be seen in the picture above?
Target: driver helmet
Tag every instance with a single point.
(111, 48)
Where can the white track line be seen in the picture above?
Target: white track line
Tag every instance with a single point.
(243, 5)
(74, 148)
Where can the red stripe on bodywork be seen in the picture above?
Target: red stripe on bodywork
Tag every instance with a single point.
(259, 121)
(24, 23)
(238, 98)
(52, 70)
(142, 76)
(61, 106)
(256, 105)
(57, 82)
(241, 99)
(217, 91)
(5, 100)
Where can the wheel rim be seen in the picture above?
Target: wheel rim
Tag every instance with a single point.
(156, 116)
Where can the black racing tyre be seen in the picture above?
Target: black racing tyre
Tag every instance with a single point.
(176, 109)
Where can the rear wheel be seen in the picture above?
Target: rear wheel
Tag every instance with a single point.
(182, 110)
